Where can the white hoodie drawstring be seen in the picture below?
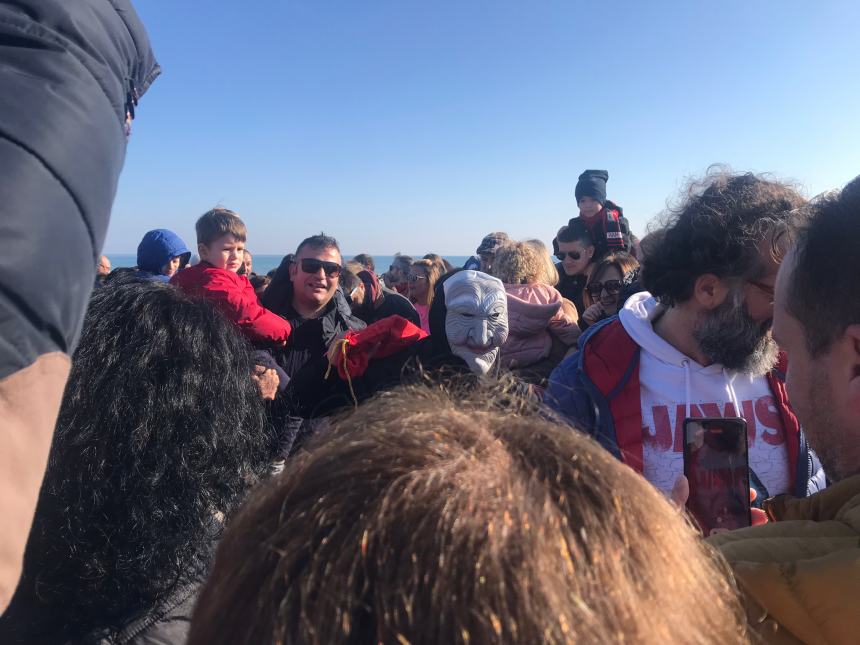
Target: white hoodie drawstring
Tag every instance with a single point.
(686, 365)
(731, 388)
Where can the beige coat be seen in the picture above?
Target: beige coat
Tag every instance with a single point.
(801, 573)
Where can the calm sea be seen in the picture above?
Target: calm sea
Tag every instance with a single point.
(265, 263)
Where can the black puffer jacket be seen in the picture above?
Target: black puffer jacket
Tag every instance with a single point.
(166, 624)
(312, 395)
(70, 73)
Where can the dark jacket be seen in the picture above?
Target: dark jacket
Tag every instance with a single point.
(312, 336)
(381, 303)
(609, 230)
(597, 389)
(314, 395)
(156, 249)
(167, 624)
(308, 344)
(70, 73)
(571, 287)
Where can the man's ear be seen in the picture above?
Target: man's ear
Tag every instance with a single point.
(590, 252)
(294, 267)
(851, 350)
(709, 291)
(203, 251)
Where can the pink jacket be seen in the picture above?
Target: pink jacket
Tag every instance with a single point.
(534, 312)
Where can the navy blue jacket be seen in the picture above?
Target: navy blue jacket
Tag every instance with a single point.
(72, 70)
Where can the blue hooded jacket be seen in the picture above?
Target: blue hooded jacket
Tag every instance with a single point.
(156, 249)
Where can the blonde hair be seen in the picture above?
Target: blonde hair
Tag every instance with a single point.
(431, 270)
(524, 263)
(550, 275)
(432, 517)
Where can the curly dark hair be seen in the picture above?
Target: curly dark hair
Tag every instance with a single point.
(718, 229)
(161, 431)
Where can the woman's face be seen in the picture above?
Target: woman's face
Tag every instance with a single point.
(418, 284)
(610, 282)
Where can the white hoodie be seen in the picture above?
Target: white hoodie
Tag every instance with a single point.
(670, 381)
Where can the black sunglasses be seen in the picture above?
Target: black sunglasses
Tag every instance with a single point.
(612, 287)
(573, 255)
(414, 277)
(312, 265)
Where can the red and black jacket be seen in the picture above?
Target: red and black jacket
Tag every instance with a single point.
(609, 230)
(597, 389)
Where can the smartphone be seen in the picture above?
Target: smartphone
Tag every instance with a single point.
(716, 464)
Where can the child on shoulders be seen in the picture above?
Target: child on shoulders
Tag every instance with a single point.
(221, 238)
(160, 255)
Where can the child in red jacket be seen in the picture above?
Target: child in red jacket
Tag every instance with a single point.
(221, 243)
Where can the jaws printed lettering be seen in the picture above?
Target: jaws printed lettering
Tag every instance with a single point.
(662, 439)
(762, 417)
(476, 323)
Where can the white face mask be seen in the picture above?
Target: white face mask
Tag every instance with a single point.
(477, 320)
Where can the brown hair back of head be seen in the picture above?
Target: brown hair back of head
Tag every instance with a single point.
(624, 262)
(218, 222)
(431, 517)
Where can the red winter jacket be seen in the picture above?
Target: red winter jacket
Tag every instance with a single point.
(234, 296)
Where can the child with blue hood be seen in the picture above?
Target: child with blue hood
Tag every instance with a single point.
(160, 255)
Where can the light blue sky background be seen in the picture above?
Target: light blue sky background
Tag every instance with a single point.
(399, 125)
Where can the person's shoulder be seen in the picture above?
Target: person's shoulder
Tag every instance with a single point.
(604, 335)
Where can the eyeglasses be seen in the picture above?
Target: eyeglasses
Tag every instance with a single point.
(312, 265)
(765, 288)
(412, 277)
(612, 287)
(573, 255)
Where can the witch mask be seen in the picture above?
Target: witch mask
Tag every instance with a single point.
(476, 322)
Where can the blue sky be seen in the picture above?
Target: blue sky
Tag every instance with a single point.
(398, 125)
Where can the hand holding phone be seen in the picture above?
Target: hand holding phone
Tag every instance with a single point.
(716, 464)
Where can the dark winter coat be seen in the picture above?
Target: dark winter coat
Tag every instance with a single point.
(571, 287)
(609, 230)
(167, 624)
(71, 73)
(387, 304)
(312, 395)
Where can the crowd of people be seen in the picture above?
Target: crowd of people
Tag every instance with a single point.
(491, 453)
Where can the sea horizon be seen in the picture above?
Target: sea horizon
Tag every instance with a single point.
(265, 262)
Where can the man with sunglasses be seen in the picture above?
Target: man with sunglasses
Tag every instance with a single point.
(574, 249)
(699, 344)
(306, 292)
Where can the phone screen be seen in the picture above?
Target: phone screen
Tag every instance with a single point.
(716, 464)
